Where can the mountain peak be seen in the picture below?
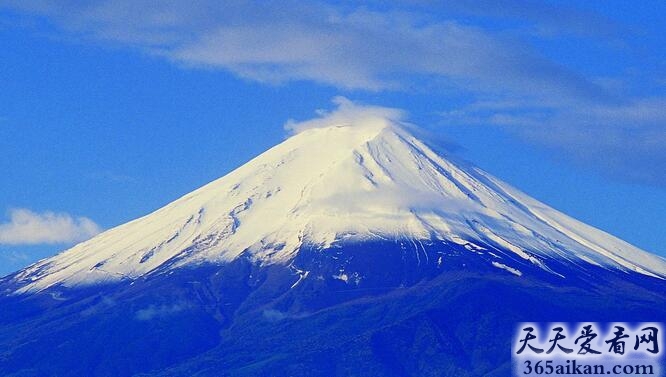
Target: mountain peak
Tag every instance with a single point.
(371, 180)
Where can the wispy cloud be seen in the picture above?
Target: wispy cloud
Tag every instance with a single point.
(544, 17)
(347, 113)
(353, 113)
(14, 257)
(26, 227)
(502, 72)
(351, 48)
(625, 141)
(112, 177)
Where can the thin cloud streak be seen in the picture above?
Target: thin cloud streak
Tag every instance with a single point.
(344, 48)
(626, 142)
(546, 19)
(510, 83)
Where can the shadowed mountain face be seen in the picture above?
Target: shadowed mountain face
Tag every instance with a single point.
(350, 251)
(387, 316)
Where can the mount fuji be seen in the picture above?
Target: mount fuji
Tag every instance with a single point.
(352, 249)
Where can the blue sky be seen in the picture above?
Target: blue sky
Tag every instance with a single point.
(111, 109)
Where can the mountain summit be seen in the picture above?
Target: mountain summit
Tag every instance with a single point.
(345, 183)
(348, 250)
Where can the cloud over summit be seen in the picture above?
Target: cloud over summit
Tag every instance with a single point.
(348, 113)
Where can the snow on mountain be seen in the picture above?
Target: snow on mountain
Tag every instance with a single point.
(346, 183)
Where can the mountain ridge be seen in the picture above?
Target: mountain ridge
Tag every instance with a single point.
(358, 183)
(343, 251)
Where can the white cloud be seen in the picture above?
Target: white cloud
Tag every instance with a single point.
(546, 18)
(342, 46)
(26, 227)
(503, 72)
(625, 141)
(348, 113)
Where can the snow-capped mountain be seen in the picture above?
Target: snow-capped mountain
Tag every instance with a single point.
(349, 250)
(352, 183)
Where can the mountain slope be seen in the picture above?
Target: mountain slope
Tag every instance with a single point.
(351, 183)
(344, 251)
